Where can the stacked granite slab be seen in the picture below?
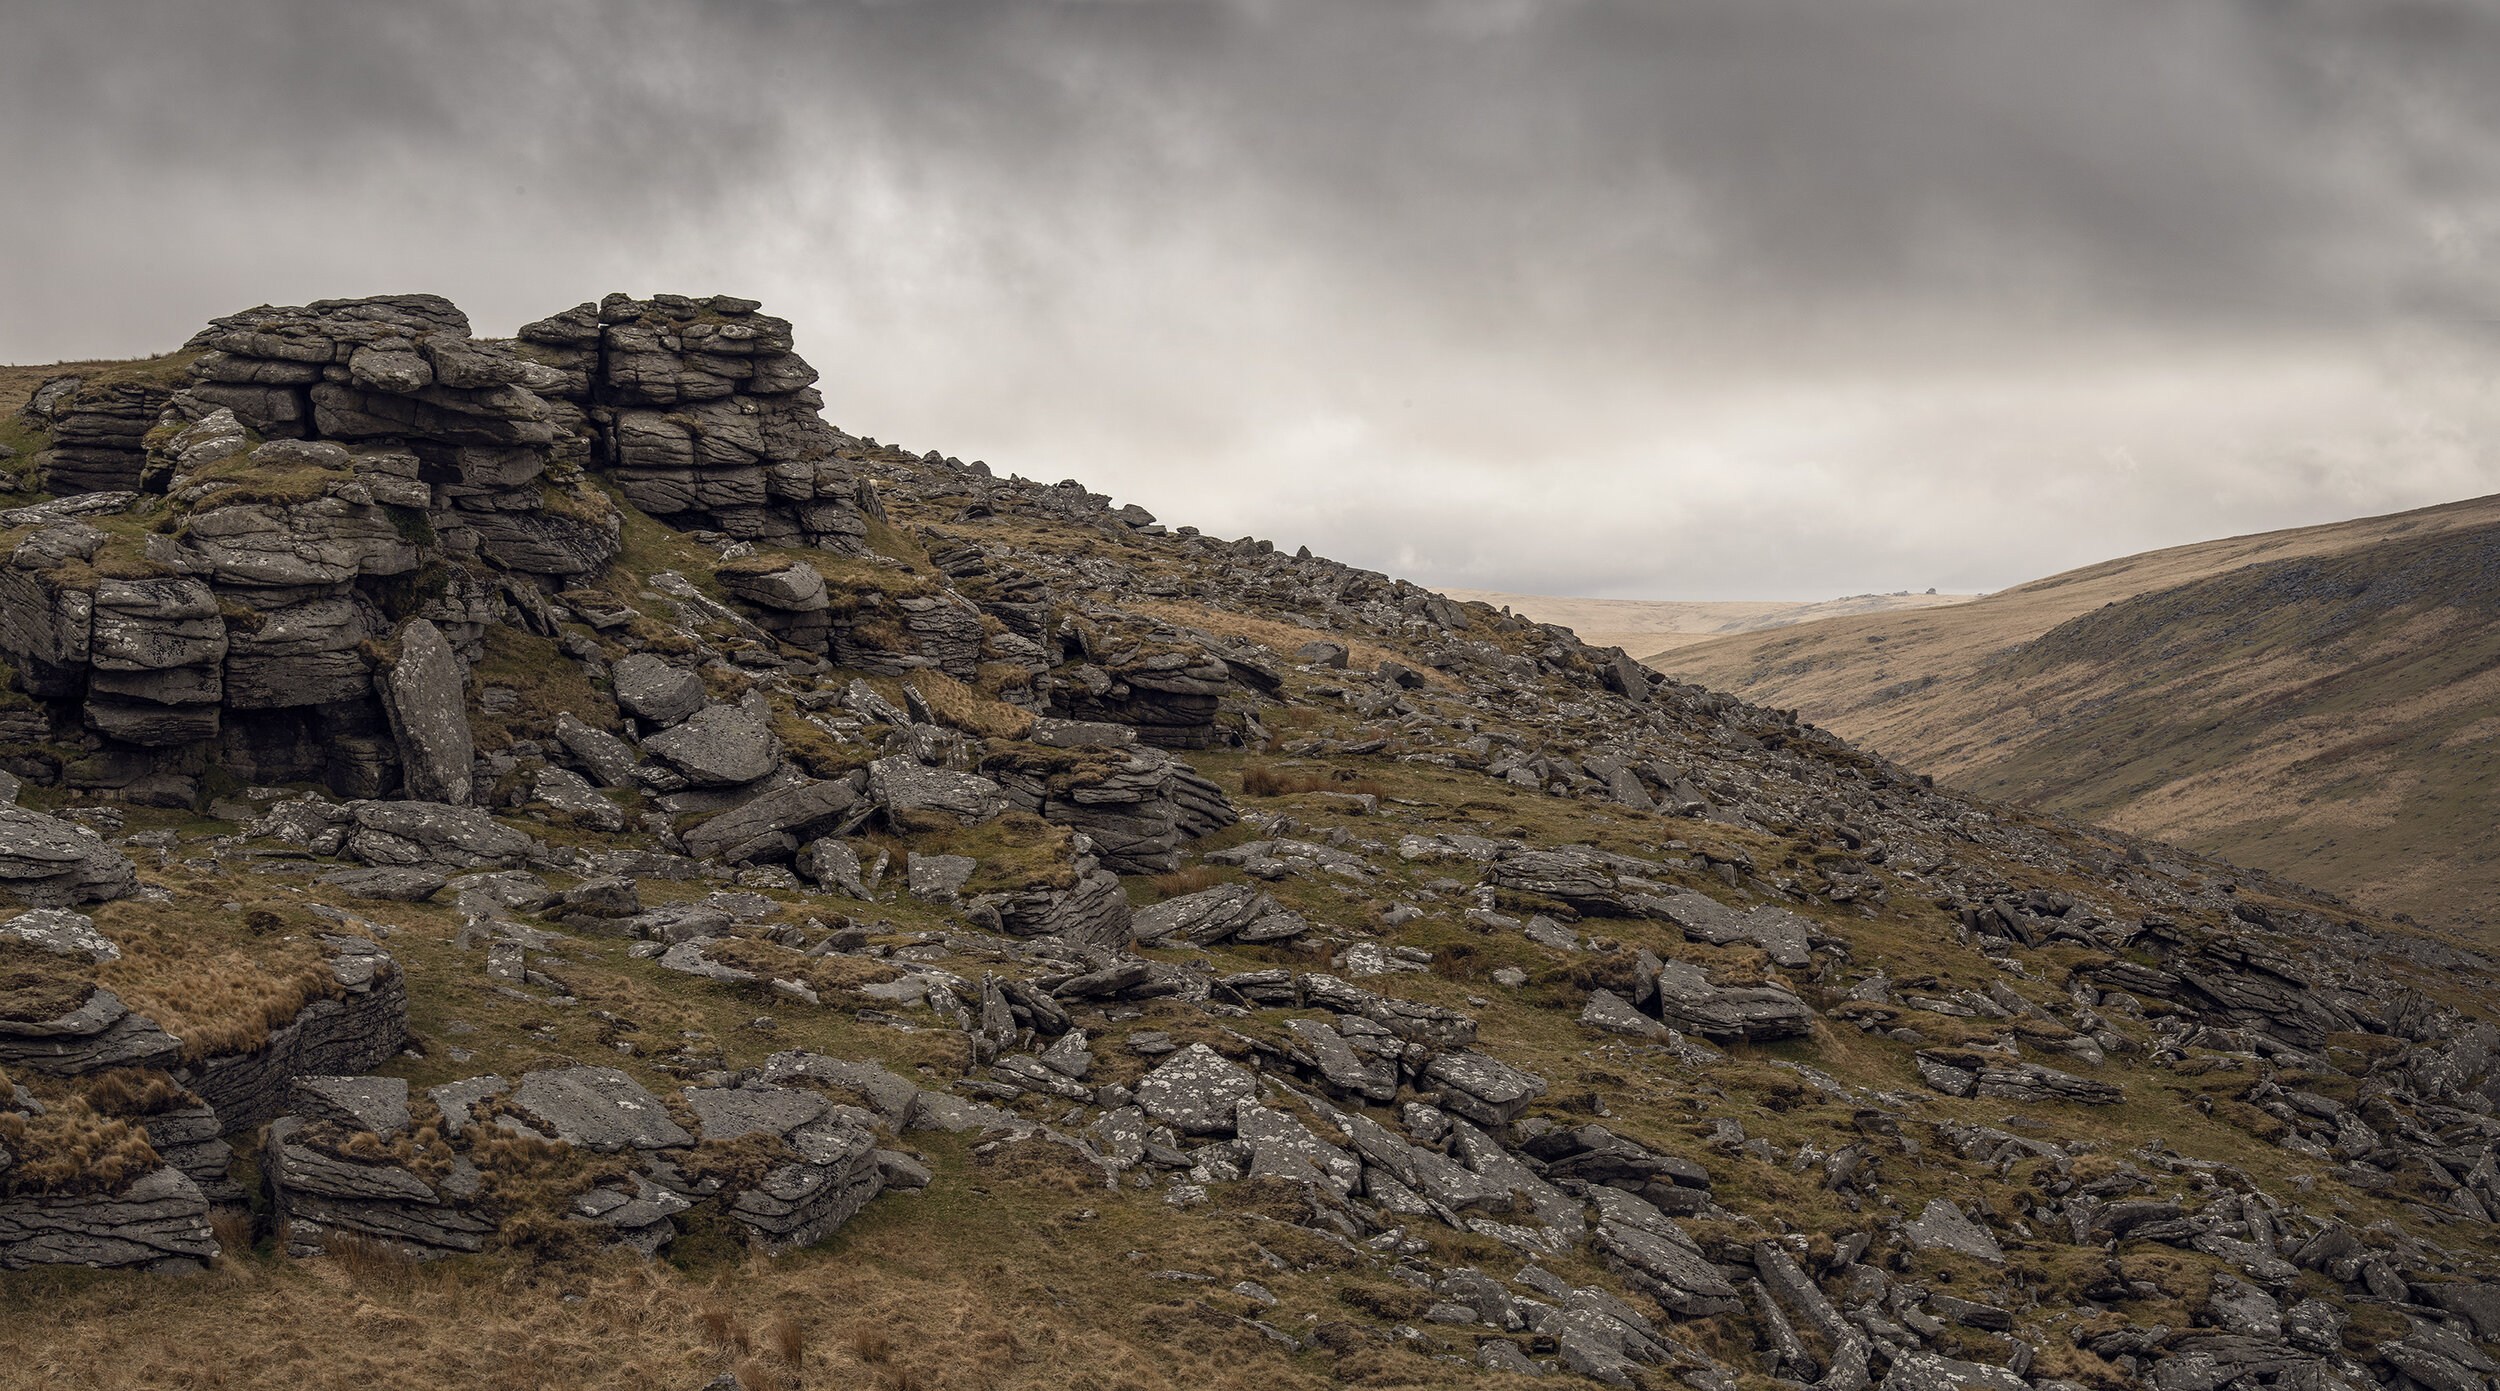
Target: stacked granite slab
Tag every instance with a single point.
(705, 417)
(454, 424)
(97, 427)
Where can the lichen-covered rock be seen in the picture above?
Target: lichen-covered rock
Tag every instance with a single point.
(160, 1221)
(424, 693)
(597, 1108)
(57, 930)
(791, 814)
(1195, 1091)
(718, 746)
(653, 691)
(97, 1033)
(49, 863)
(903, 785)
(428, 834)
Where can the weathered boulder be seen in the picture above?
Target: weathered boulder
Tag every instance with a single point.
(903, 786)
(654, 692)
(49, 863)
(597, 1108)
(798, 812)
(159, 1221)
(1483, 1089)
(608, 760)
(1138, 805)
(430, 834)
(58, 930)
(96, 1033)
(424, 695)
(1688, 1001)
(1195, 1091)
(717, 746)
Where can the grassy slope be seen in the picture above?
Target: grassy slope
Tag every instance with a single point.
(1645, 626)
(2297, 732)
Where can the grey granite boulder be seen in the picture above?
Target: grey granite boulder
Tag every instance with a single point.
(1346, 1071)
(1195, 1091)
(49, 863)
(654, 692)
(1688, 1001)
(938, 878)
(608, 760)
(799, 812)
(1203, 918)
(717, 746)
(1483, 1089)
(98, 1033)
(570, 794)
(386, 885)
(377, 1104)
(59, 930)
(159, 1221)
(903, 785)
(424, 694)
(1944, 1226)
(432, 834)
(597, 1108)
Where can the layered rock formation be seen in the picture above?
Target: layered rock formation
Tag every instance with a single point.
(1807, 1072)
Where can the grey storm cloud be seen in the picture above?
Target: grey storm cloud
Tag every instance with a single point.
(1754, 298)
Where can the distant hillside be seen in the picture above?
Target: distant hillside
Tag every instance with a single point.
(2319, 702)
(1646, 627)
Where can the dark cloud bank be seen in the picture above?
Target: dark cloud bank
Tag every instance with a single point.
(1698, 300)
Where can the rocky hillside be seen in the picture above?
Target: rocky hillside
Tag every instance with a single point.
(544, 863)
(1647, 628)
(2315, 702)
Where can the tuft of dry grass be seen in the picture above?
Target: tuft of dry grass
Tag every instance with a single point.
(724, 1330)
(872, 1345)
(788, 1340)
(369, 1263)
(234, 1229)
(968, 709)
(1186, 881)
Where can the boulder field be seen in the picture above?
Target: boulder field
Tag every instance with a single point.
(520, 802)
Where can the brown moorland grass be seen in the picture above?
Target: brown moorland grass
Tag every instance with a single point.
(1282, 638)
(2342, 759)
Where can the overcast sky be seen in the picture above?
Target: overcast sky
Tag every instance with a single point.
(1648, 299)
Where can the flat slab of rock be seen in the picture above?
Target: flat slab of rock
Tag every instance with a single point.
(1195, 1091)
(1943, 1226)
(725, 1113)
(1611, 1012)
(1203, 918)
(598, 1108)
(387, 884)
(46, 862)
(1688, 1001)
(161, 1218)
(1483, 1089)
(653, 691)
(378, 1104)
(432, 834)
(904, 784)
(609, 761)
(59, 930)
(717, 746)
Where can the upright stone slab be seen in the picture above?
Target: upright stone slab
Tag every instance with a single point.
(424, 696)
